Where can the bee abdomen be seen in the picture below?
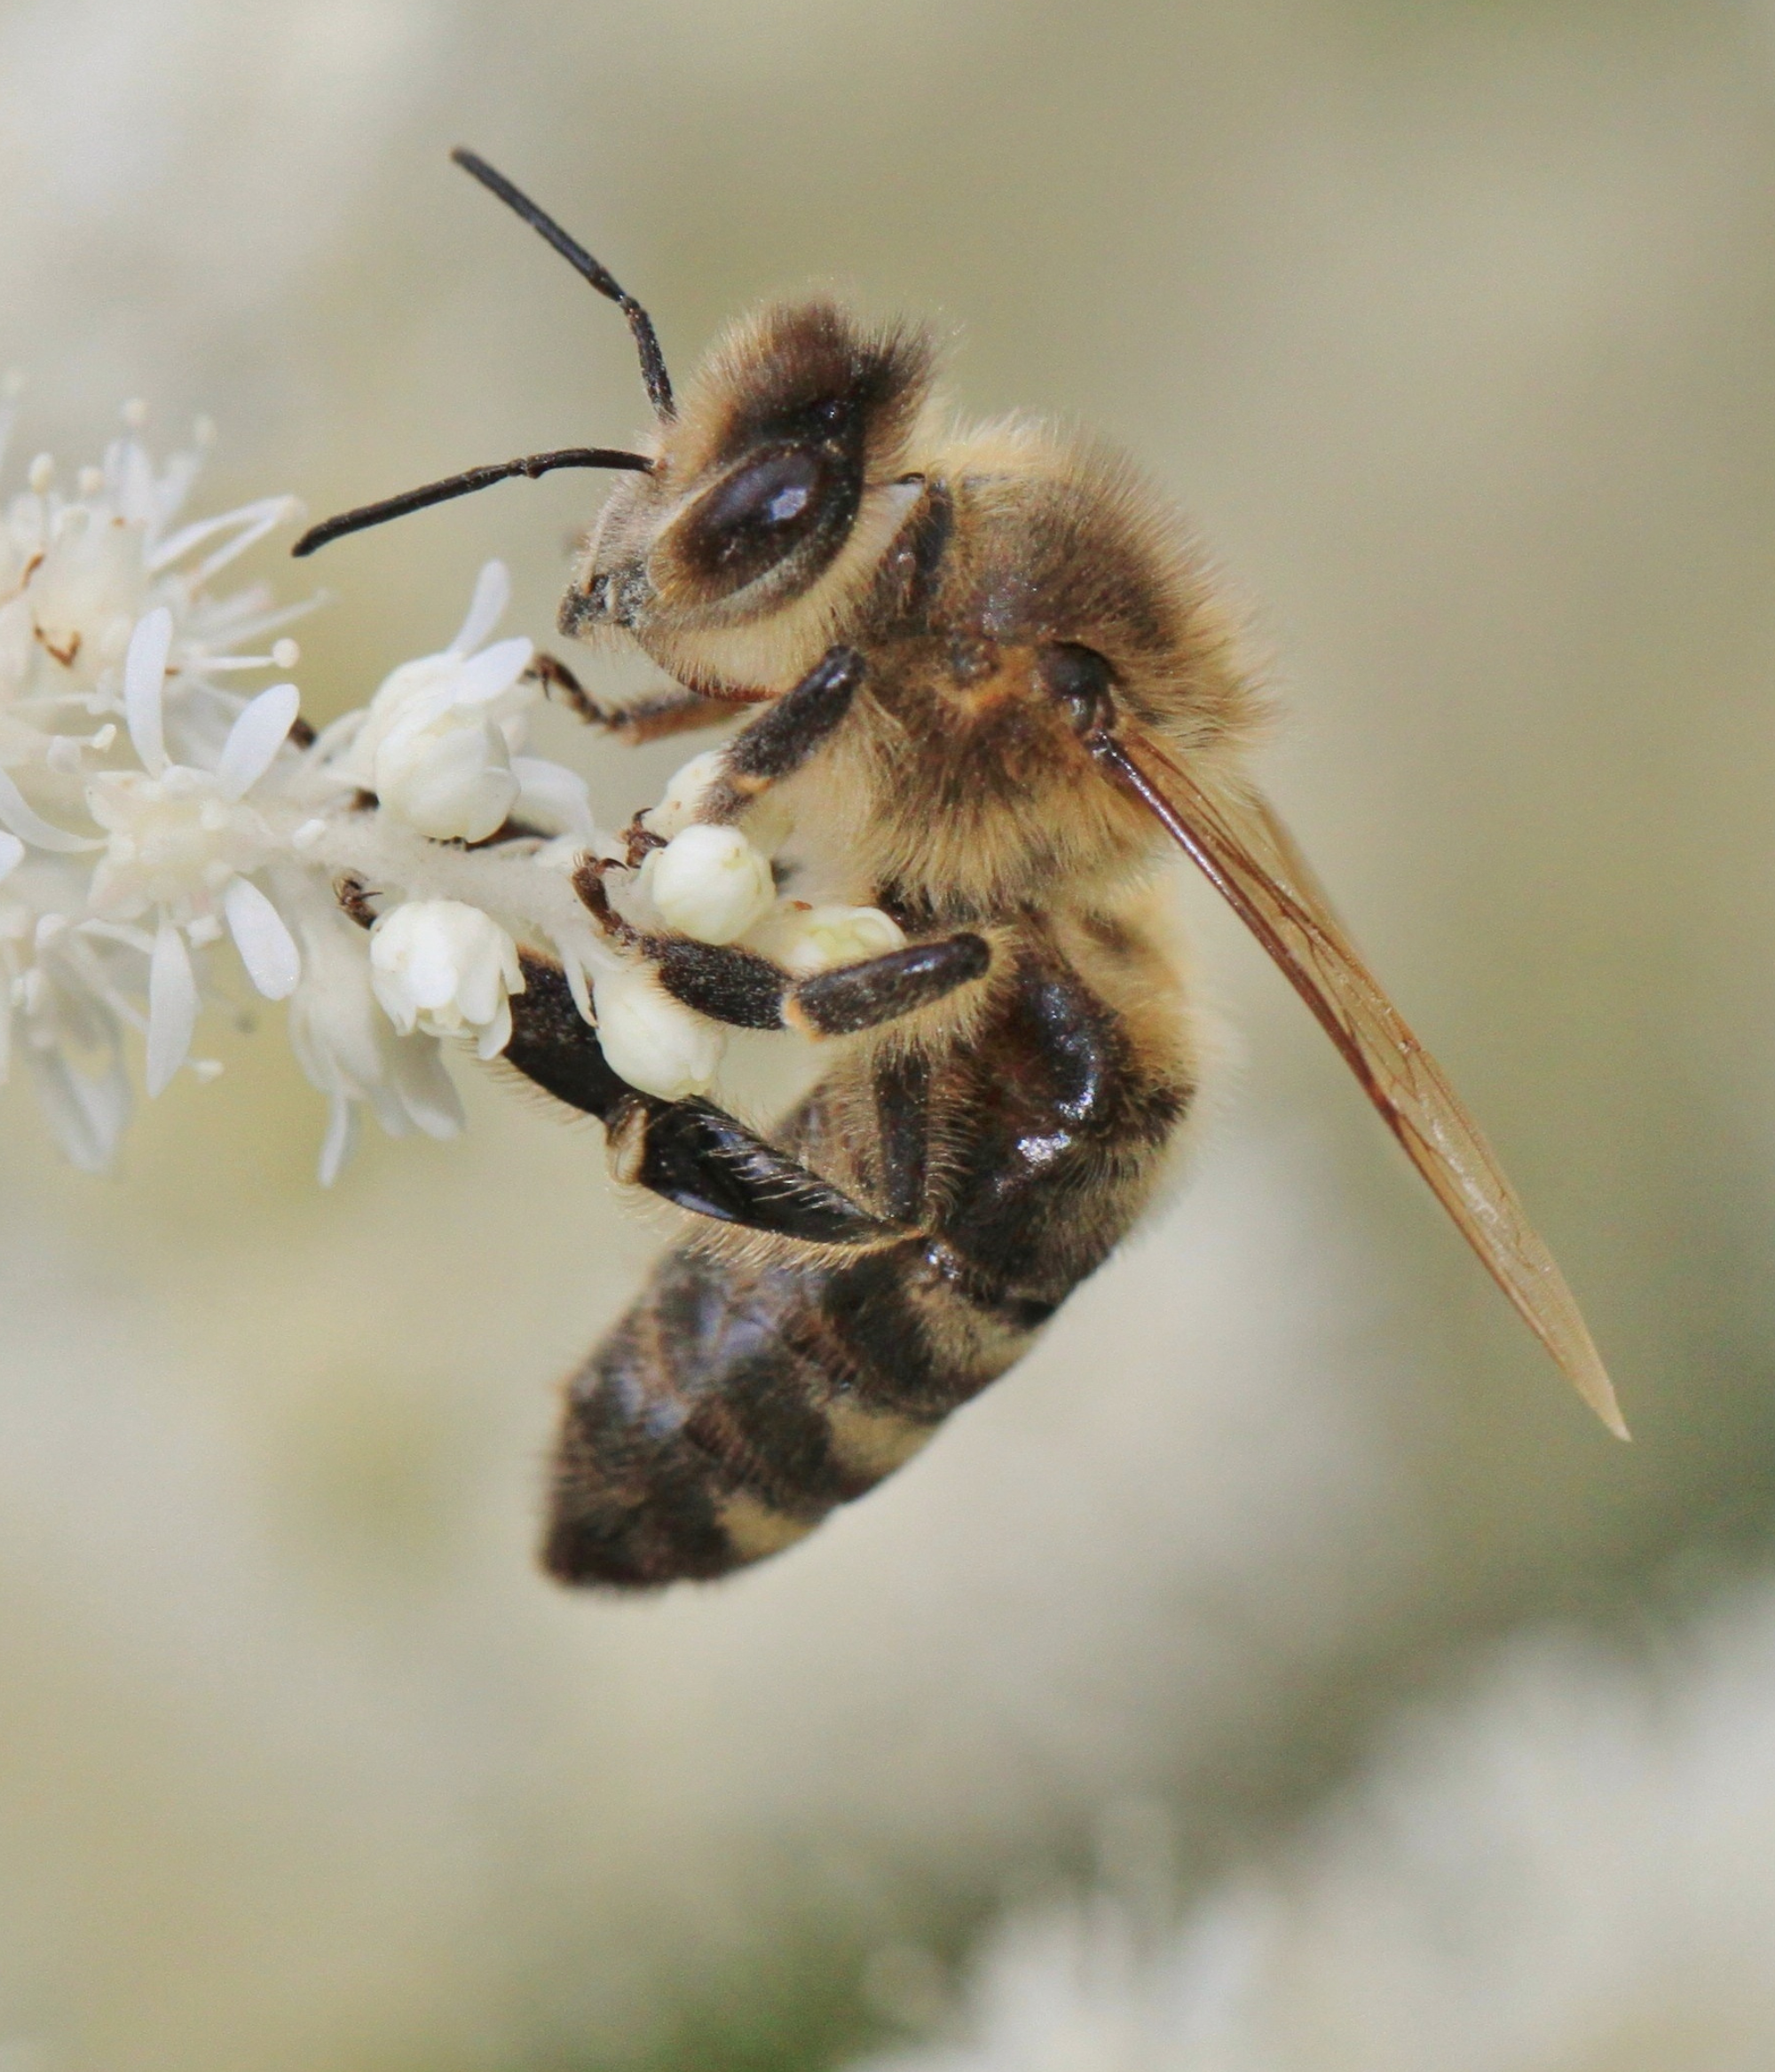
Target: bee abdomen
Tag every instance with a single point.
(734, 1408)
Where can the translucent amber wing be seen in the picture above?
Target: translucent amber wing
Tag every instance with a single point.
(1248, 855)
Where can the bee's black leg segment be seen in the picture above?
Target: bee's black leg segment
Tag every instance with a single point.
(689, 1152)
(695, 1154)
(748, 992)
(864, 996)
(554, 1045)
(784, 737)
(720, 980)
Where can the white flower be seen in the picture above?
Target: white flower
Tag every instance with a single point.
(344, 1044)
(444, 967)
(446, 773)
(180, 839)
(652, 1041)
(553, 796)
(82, 596)
(77, 572)
(437, 744)
(126, 850)
(807, 939)
(709, 883)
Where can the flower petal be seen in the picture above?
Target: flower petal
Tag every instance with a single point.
(483, 676)
(576, 985)
(497, 1033)
(256, 520)
(172, 1006)
(342, 1135)
(11, 853)
(424, 1087)
(650, 1039)
(492, 594)
(22, 820)
(144, 682)
(86, 1110)
(267, 948)
(256, 737)
(552, 794)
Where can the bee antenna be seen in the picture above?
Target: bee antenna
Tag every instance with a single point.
(465, 485)
(646, 339)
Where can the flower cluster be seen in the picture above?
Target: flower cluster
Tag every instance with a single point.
(151, 816)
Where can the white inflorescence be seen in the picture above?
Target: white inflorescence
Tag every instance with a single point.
(153, 818)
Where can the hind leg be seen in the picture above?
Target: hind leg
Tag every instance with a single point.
(689, 1152)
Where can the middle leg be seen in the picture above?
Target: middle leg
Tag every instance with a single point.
(746, 990)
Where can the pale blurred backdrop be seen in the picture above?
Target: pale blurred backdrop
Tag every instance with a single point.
(1452, 324)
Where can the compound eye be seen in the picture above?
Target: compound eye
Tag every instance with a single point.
(1080, 679)
(762, 512)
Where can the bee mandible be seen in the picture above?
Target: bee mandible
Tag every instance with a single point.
(988, 675)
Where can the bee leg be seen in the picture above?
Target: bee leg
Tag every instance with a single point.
(728, 984)
(689, 1152)
(784, 737)
(746, 990)
(553, 1046)
(697, 1155)
(773, 747)
(649, 719)
(882, 989)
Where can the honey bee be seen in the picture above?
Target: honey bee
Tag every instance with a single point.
(993, 680)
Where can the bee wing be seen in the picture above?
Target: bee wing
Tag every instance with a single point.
(1250, 859)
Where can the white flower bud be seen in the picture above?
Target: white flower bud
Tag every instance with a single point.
(710, 884)
(436, 741)
(445, 968)
(449, 776)
(652, 1041)
(685, 791)
(806, 939)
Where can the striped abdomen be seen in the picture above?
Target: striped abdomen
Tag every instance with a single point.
(736, 1405)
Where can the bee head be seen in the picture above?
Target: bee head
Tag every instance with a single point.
(764, 499)
(774, 490)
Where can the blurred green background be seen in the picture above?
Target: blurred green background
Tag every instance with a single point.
(1452, 325)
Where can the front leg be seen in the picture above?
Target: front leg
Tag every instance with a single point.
(781, 740)
(678, 711)
(689, 1152)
